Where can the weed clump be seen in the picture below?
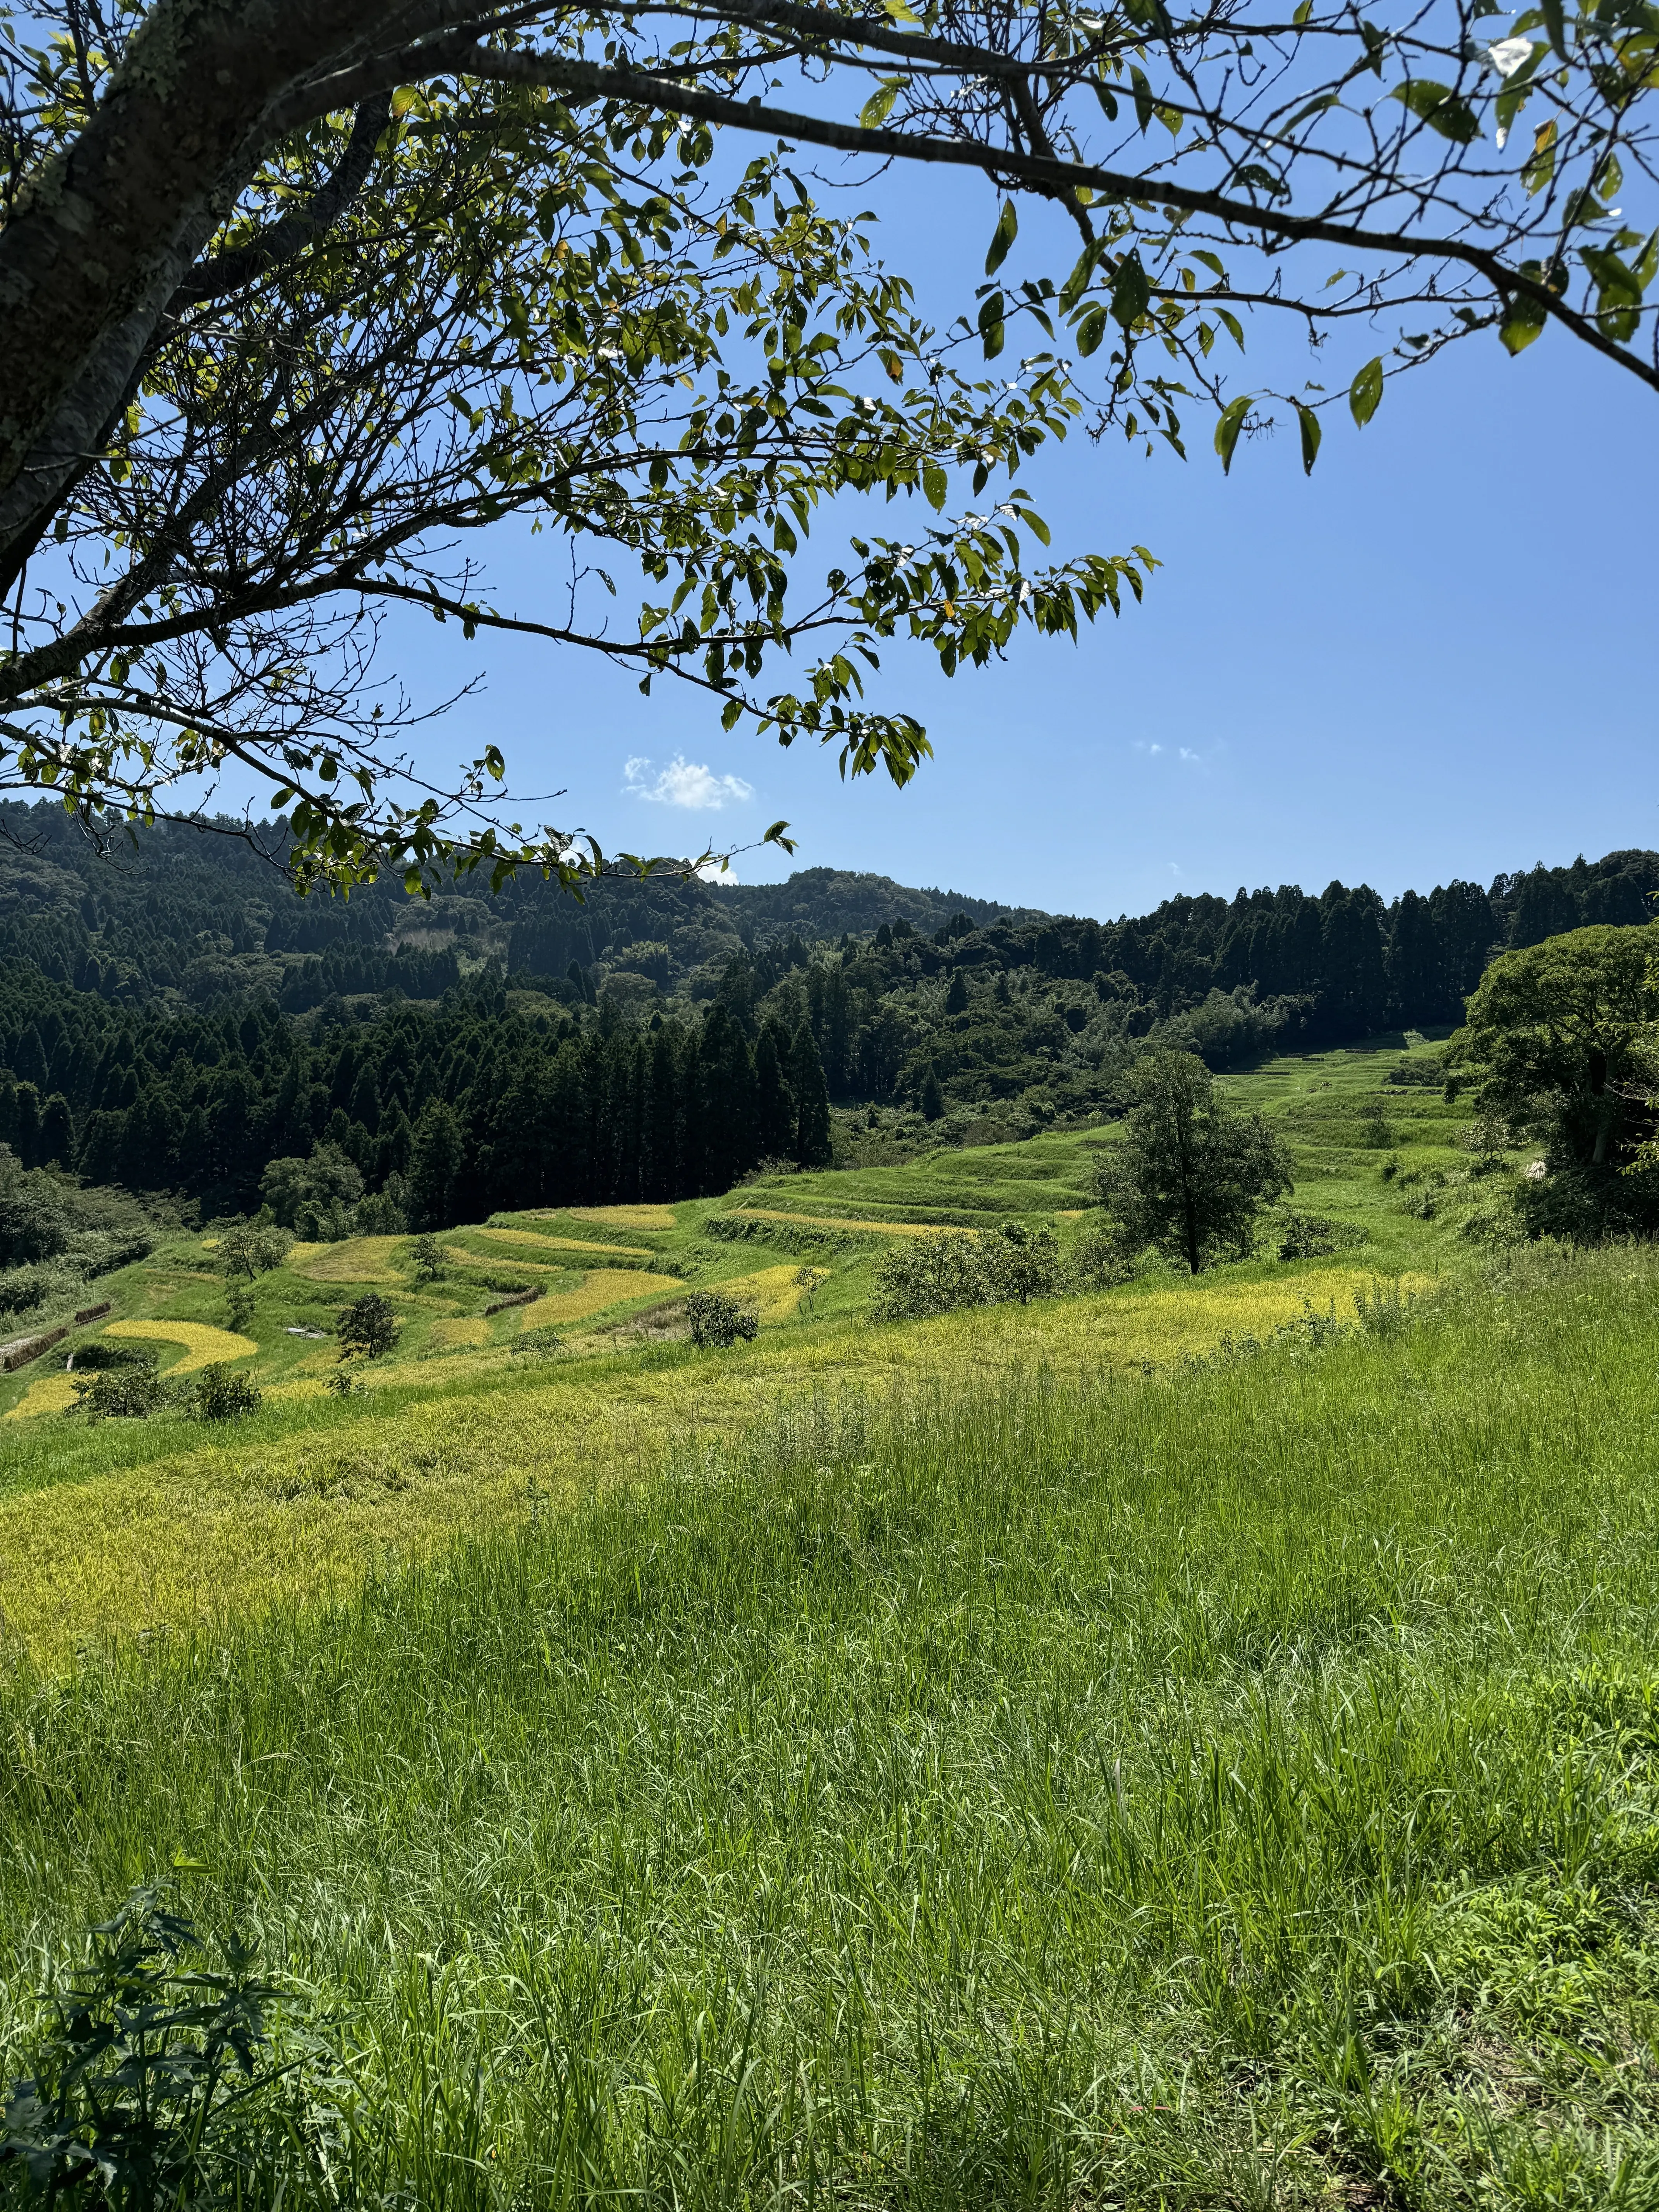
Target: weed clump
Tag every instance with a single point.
(224, 1394)
(153, 2075)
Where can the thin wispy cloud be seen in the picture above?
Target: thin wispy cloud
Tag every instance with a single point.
(684, 783)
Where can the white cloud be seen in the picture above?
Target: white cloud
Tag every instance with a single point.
(684, 783)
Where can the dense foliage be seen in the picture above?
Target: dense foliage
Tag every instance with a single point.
(367, 280)
(172, 1017)
(1560, 1046)
(1190, 1174)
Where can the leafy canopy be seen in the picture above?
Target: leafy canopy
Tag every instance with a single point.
(1189, 1174)
(367, 283)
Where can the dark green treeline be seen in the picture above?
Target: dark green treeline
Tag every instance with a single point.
(477, 1106)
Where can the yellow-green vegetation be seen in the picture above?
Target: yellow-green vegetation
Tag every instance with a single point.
(993, 1785)
(840, 1221)
(202, 1345)
(135, 1523)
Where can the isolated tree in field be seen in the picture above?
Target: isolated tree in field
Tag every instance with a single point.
(369, 1325)
(1561, 1040)
(428, 1259)
(297, 295)
(1189, 1174)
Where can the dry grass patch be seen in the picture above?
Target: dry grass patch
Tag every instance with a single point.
(47, 1393)
(536, 1236)
(775, 1292)
(356, 1260)
(459, 1329)
(624, 1216)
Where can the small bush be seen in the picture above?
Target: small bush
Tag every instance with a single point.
(718, 1321)
(922, 1275)
(1021, 1263)
(1419, 1071)
(225, 1394)
(1097, 1261)
(121, 1393)
(1311, 1237)
(1376, 1130)
(428, 1259)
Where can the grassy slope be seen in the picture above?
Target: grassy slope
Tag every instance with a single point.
(1233, 1786)
(131, 1526)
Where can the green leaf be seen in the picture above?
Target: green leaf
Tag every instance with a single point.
(991, 313)
(1131, 292)
(879, 106)
(1002, 237)
(1091, 328)
(1438, 105)
(1082, 270)
(1303, 9)
(1366, 390)
(935, 485)
(776, 835)
(1555, 24)
(1227, 429)
(1524, 317)
(1311, 435)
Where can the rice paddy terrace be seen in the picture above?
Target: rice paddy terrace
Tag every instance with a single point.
(550, 1351)
(1193, 1745)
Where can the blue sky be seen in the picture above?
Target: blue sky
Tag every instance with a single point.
(1430, 658)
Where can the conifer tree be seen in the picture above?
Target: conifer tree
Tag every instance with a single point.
(812, 1146)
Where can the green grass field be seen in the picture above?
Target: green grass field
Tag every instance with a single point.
(1229, 1785)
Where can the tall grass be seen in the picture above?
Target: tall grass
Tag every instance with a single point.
(1233, 1787)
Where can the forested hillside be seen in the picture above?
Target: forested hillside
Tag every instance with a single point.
(172, 1018)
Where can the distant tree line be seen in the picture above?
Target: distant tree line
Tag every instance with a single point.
(683, 1046)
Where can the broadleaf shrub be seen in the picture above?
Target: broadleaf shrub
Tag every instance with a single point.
(152, 2072)
(719, 1321)
(225, 1394)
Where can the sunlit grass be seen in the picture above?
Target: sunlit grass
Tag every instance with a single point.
(1235, 1786)
(203, 1345)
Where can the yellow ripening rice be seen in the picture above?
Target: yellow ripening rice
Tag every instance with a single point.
(773, 1292)
(455, 1255)
(624, 1216)
(458, 1330)
(605, 1286)
(536, 1237)
(47, 1393)
(202, 1345)
(356, 1259)
(826, 1221)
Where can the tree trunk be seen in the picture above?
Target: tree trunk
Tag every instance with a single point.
(102, 237)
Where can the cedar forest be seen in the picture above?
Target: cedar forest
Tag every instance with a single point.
(173, 1019)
